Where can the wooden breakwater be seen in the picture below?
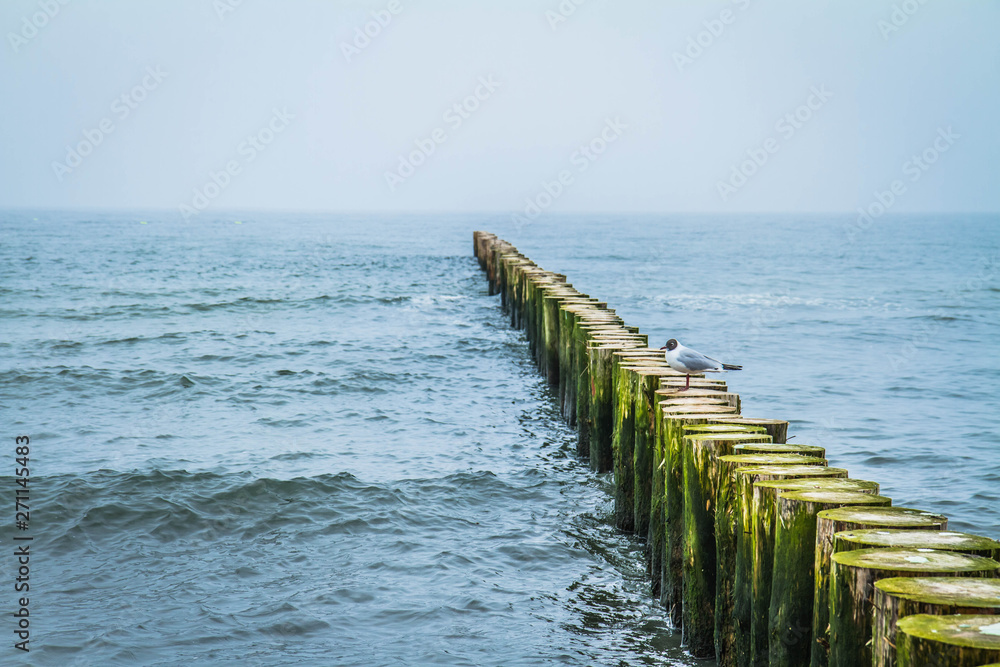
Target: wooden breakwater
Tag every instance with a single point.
(761, 552)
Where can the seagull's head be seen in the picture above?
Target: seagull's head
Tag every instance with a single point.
(671, 344)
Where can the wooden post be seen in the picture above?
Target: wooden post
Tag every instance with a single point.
(758, 490)
(943, 540)
(732, 531)
(852, 581)
(793, 580)
(703, 504)
(582, 337)
(622, 440)
(600, 363)
(551, 299)
(776, 428)
(674, 421)
(830, 522)
(898, 597)
(656, 539)
(777, 448)
(571, 311)
(644, 444)
(723, 428)
(948, 641)
(737, 617)
(657, 535)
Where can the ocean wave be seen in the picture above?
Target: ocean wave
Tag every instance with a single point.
(107, 508)
(83, 381)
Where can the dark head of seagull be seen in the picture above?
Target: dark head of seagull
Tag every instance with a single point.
(671, 344)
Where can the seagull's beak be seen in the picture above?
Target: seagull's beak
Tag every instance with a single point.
(664, 347)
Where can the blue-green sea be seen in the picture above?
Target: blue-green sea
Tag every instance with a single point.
(310, 439)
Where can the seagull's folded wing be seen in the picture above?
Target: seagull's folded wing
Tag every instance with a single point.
(698, 362)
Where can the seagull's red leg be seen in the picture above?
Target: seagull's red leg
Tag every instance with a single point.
(687, 383)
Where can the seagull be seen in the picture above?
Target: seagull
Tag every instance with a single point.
(688, 361)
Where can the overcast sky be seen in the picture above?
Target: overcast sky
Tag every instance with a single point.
(681, 106)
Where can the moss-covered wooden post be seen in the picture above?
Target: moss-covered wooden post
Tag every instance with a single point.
(537, 283)
(793, 579)
(852, 582)
(674, 421)
(657, 521)
(656, 539)
(646, 382)
(517, 279)
(571, 310)
(776, 428)
(668, 393)
(943, 540)
(551, 332)
(898, 597)
(758, 490)
(622, 444)
(600, 361)
(583, 335)
(545, 328)
(948, 641)
(702, 476)
(571, 313)
(743, 470)
(778, 448)
(830, 522)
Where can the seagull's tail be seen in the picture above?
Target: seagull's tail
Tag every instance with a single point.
(731, 367)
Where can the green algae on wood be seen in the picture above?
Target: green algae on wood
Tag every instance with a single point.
(600, 359)
(550, 337)
(702, 476)
(583, 394)
(776, 428)
(644, 448)
(576, 319)
(755, 460)
(852, 581)
(779, 448)
(672, 435)
(898, 597)
(656, 538)
(755, 541)
(622, 441)
(671, 389)
(572, 315)
(793, 578)
(722, 428)
(944, 540)
(961, 640)
(831, 522)
(735, 551)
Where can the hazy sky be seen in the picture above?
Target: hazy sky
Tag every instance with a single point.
(146, 104)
